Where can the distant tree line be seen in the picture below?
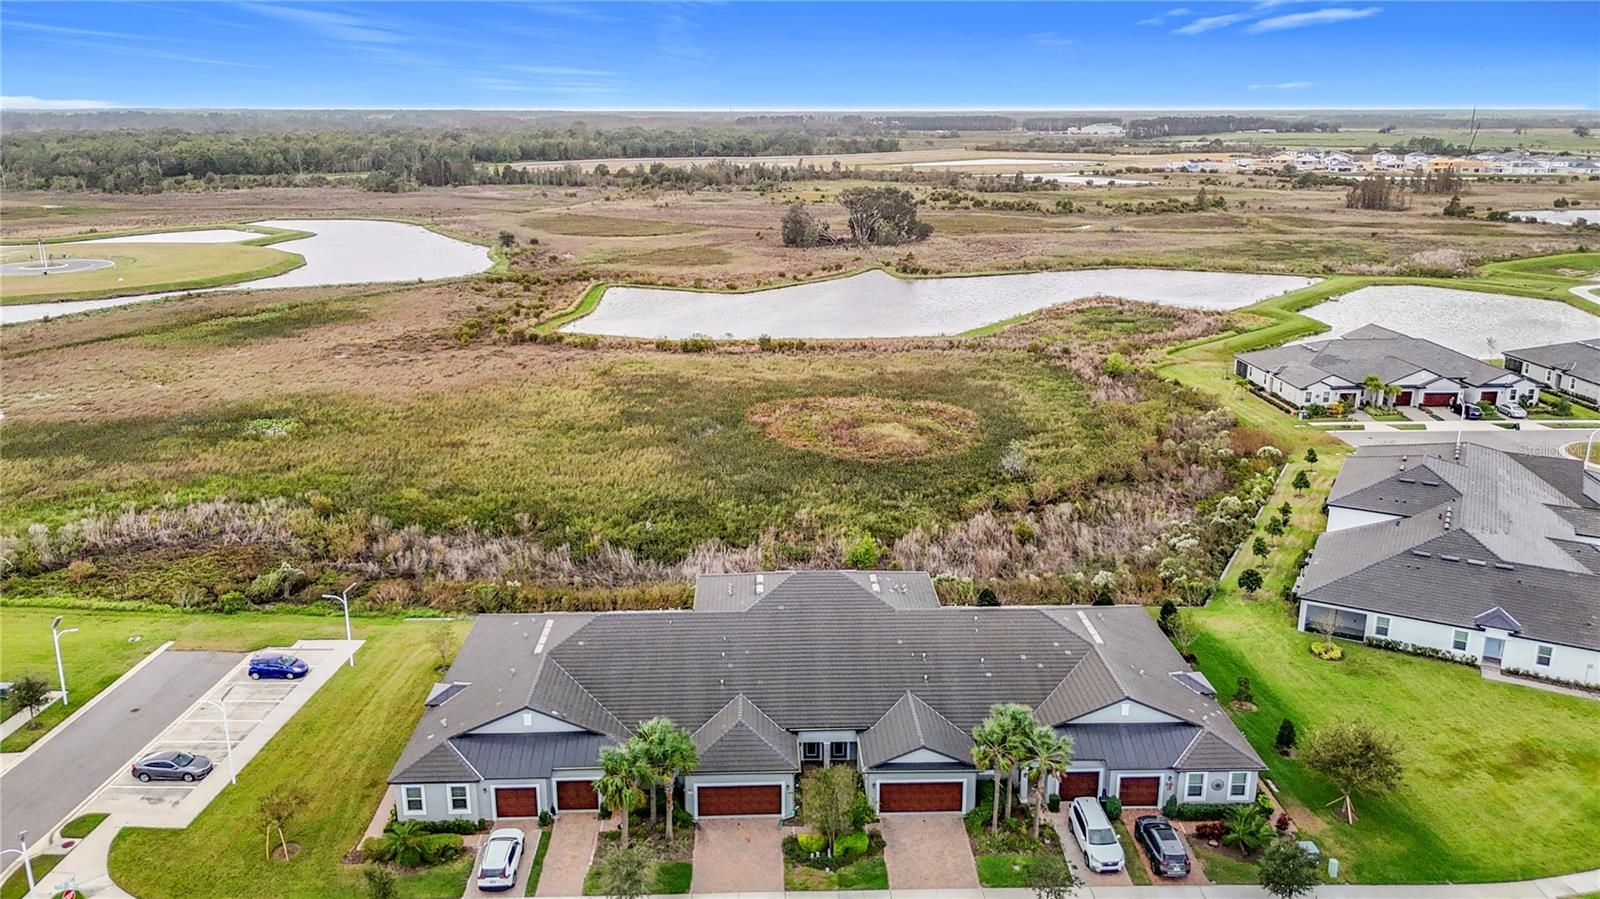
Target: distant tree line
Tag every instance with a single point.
(1175, 126)
(141, 161)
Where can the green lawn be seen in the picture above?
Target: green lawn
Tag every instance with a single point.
(1006, 870)
(362, 718)
(1471, 745)
(1136, 869)
(104, 647)
(1220, 868)
(670, 877)
(16, 886)
(536, 870)
(83, 825)
(866, 874)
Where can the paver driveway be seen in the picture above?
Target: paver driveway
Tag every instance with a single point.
(926, 852)
(738, 855)
(566, 862)
(530, 847)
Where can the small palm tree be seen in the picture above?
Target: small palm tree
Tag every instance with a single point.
(623, 769)
(677, 757)
(1247, 829)
(649, 739)
(1049, 755)
(1016, 727)
(989, 751)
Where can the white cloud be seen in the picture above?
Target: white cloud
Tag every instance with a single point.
(1315, 17)
(1180, 11)
(1281, 86)
(1051, 39)
(41, 103)
(1210, 23)
(336, 26)
(563, 70)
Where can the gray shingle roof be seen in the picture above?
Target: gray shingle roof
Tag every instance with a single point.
(816, 651)
(740, 737)
(737, 592)
(1579, 358)
(1371, 350)
(909, 725)
(439, 763)
(1210, 752)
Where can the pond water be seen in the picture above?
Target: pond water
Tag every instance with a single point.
(1560, 216)
(990, 160)
(208, 235)
(1463, 320)
(339, 251)
(877, 304)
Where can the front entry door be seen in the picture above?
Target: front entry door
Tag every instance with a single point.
(1493, 648)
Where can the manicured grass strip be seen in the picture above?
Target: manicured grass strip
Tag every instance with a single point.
(269, 235)
(536, 870)
(1220, 868)
(1130, 852)
(586, 304)
(186, 263)
(16, 886)
(1006, 870)
(83, 825)
(672, 878)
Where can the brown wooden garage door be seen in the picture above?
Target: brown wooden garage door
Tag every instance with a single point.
(1139, 790)
(758, 800)
(1438, 399)
(516, 802)
(1403, 399)
(1080, 783)
(1490, 396)
(920, 797)
(576, 795)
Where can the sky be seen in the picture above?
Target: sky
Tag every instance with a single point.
(774, 56)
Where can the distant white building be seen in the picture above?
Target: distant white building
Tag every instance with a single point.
(1387, 161)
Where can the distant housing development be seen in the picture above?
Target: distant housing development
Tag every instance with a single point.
(1312, 159)
(1572, 367)
(1487, 555)
(1410, 371)
(778, 672)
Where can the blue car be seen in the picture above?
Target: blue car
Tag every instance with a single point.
(276, 665)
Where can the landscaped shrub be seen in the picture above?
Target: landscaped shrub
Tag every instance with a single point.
(546, 819)
(1327, 651)
(380, 882)
(1113, 806)
(1209, 830)
(851, 845)
(1242, 691)
(1561, 681)
(1427, 652)
(811, 842)
(461, 826)
(1197, 811)
(1286, 737)
(406, 844)
(1054, 802)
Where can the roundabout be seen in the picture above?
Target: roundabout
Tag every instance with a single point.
(53, 267)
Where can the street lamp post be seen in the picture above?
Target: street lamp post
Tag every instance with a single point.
(27, 864)
(343, 599)
(1588, 449)
(56, 633)
(227, 735)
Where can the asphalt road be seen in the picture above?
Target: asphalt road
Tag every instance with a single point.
(1540, 442)
(36, 793)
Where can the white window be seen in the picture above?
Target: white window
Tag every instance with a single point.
(1238, 782)
(1195, 785)
(459, 801)
(527, 719)
(1382, 627)
(1460, 641)
(1544, 655)
(413, 801)
(811, 752)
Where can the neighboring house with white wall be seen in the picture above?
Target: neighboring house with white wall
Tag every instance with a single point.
(1572, 367)
(1423, 373)
(778, 672)
(1463, 549)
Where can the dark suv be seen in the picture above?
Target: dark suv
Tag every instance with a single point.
(1156, 837)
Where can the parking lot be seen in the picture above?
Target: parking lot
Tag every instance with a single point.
(256, 709)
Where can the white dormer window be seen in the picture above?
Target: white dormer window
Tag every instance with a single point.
(1127, 709)
(527, 719)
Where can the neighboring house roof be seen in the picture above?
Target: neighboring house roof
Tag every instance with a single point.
(740, 737)
(1578, 358)
(908, 726)
(811, 650)
(1372, 350)
(1499, 540)
(511, 756)
(1133, 746)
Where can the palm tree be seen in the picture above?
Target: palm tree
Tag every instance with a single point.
(649, 739)
(677, 757)
(623, 770)
(989, 751)
(1016, 725)
(1048, 755)
(1373, 385)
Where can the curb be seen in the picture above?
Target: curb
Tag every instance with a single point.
(23, 755)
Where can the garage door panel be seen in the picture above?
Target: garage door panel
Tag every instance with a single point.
(1139, 790)
(516, 802)
(576, 795)
(1080, 783)
(1438, 399)
(943, 796)
(763, 799)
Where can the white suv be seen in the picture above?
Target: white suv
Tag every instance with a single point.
(497, 870)
(1095, 836)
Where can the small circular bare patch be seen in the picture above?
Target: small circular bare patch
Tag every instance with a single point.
(869, 428)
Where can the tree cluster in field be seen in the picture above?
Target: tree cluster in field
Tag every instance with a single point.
(1203, 201)
(128, 161)
(1377, 192)
(878, 216)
